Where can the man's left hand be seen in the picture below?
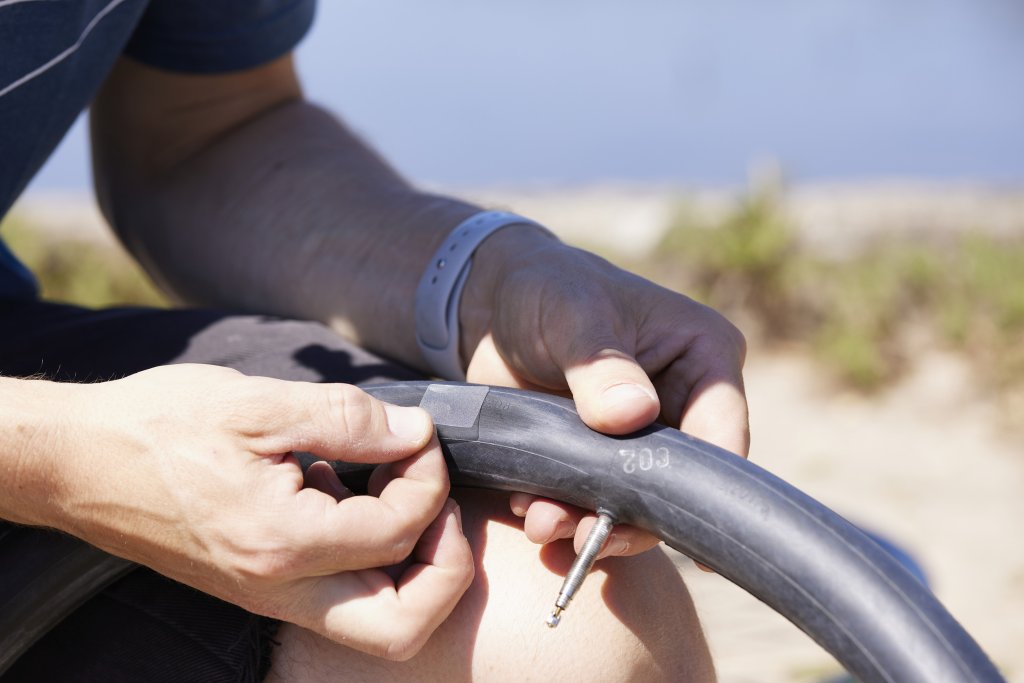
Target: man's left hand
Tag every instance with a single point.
(540, 315)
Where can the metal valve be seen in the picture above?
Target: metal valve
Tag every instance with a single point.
(582, 564)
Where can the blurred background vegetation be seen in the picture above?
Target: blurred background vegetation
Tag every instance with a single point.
(81, 271)
(864, 314)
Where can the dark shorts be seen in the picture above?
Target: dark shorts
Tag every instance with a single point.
(142, 626)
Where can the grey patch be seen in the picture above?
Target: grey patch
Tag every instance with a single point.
(455, 407)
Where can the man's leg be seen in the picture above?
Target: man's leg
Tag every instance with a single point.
(632, 621)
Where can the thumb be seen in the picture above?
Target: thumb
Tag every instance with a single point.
(612, 392)
(343, 422)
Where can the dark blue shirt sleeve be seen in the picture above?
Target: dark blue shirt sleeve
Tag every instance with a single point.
(214, 36)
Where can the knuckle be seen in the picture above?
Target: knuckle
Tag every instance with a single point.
(400, 547)
(738, 339)
(402, 532)
(406, 643)
(260, 569)
(353, 408)
(264, 567)
(467, 572)
(725, 335)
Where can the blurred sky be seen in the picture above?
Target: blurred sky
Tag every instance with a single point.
(469, 93)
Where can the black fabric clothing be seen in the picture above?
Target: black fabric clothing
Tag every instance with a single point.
(146, 628)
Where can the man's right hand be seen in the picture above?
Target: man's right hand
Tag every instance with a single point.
(189, 470)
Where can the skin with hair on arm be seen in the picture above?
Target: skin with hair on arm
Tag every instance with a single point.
(235, 192)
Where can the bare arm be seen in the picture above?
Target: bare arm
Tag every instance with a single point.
(235, 192)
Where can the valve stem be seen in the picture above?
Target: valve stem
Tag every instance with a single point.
(582, 564)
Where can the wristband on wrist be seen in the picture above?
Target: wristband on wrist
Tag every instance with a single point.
(440, 290)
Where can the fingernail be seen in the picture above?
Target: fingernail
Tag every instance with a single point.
(623, 394)
(334, 484)
(457, 513)
(564, 529)
(410, 424)
(615, 546)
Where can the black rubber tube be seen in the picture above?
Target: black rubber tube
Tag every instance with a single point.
(783, 547)
(786, 549)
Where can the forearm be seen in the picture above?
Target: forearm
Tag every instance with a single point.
(235, 192)
(291, 214)
(70, 459)
(34, 421)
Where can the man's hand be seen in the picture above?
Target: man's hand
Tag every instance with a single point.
(540, 315)
(189, 470)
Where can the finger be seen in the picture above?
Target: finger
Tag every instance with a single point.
(369, 612)
(624, 539)
(549, 520)
(612, 392)
(443, 544)
(702, 393)
(367, 531)
(520, 503)
(335, 421)
(717, 413)
(321, 477)
(488, 367)
(379, 478)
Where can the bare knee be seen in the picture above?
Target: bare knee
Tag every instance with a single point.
(633, 620)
